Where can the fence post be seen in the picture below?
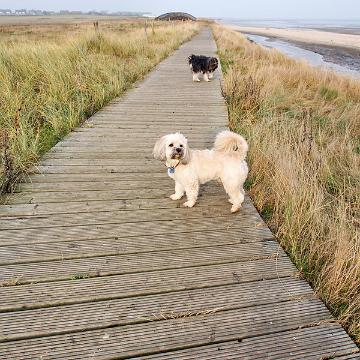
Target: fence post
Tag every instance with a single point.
(145, 28)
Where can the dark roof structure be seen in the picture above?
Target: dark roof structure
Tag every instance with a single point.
(176, 16)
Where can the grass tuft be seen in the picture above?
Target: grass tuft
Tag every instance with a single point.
(172, 315)
(328, 94)
(80, 276)
(11, 282)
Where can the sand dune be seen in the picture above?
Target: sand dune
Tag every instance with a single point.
(305, 35)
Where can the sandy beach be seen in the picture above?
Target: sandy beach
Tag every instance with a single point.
(311, 36)
(336, 45)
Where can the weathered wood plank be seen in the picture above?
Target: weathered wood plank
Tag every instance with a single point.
(138, 339)
(354, 355)
(139, 262)
(61, 197)
(95, 186)
(36, 252)
(104, 217)
(74, 207)
(109, 177)
(76, 291)
(114, 230)
(319, 342)
(43, 322)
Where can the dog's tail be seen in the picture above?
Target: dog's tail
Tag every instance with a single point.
(231, 143)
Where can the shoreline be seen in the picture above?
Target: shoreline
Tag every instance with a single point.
(309, 36)
(336, 52)
(344, 56)
(340, 30)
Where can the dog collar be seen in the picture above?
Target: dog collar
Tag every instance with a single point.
(171, 169)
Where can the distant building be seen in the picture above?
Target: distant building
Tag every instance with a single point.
(5, 12)
(21, 12)
(33, 12)
(176, 16)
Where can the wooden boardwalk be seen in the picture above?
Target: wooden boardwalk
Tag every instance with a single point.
(96, 261)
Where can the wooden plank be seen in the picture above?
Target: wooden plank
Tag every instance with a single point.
(102, 314)
(95, 186)
(143, 145)
(63, 197)
(97, 149)
(77, 291)
(130, 146)
(114, 230)
(318, 342)
(64, 178)
(74, 207)
(35, 252)
(158, 120)
(153, 127)
(138, 127)
(134, 340)
(138, 262)
(354, 356)
(95, 169)
(122, 135)
(118, 217)
(186, 113)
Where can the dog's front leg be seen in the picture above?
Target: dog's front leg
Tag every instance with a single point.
(206, 77)
(192, 192)
(179, 191)
(196, 77)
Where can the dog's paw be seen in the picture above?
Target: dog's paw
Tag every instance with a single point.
(175, 197)
(235, 208)
(189, 204)
(196, 80)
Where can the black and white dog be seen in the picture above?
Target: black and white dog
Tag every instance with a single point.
(203, 64)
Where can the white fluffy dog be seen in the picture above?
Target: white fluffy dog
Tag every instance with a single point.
(190, 168)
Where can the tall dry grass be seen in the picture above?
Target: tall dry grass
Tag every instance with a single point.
(303, 126)
(50, 84)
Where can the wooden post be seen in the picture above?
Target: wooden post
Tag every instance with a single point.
(146, 34)
(152, 27)
(96, 26)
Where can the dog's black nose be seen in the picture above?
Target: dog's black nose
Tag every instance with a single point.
(178, 150)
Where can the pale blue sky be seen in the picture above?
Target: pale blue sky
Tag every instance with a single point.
(244, 9)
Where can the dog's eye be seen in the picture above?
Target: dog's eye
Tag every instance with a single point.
(171, 145)
(181, 145)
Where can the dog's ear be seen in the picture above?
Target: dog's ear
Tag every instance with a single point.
(159, 150)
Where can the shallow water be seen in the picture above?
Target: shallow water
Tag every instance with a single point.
(301, 23)
(299, 53)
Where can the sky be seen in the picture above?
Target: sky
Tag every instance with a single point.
(241, 9)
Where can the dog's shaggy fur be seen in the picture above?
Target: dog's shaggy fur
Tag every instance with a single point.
(190, 168)
(203, 64)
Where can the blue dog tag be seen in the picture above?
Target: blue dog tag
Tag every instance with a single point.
(171, 170)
